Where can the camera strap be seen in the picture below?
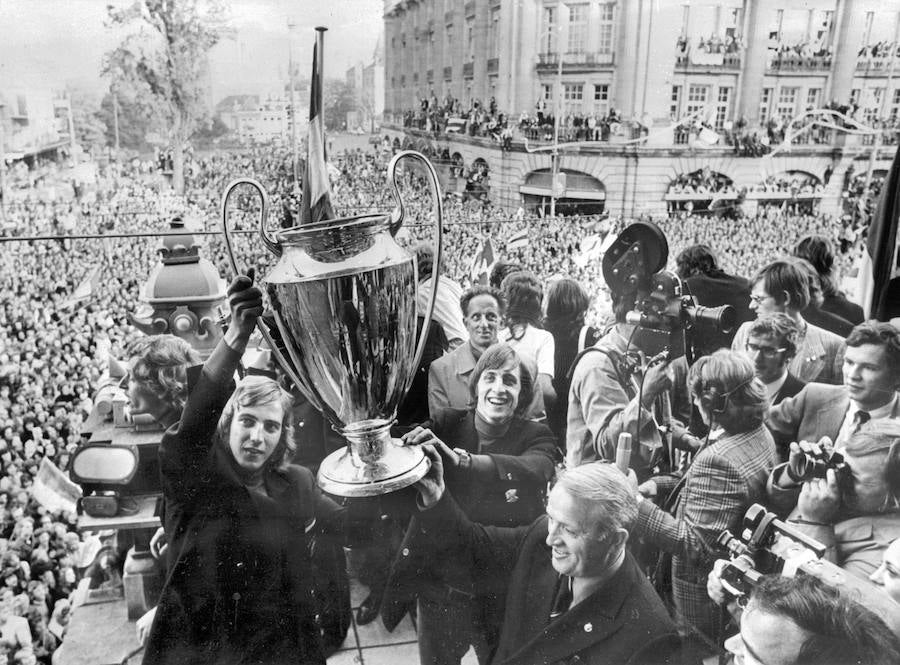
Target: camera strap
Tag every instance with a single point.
(619, 363)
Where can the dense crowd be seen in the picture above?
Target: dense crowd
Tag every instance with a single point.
(54, 350)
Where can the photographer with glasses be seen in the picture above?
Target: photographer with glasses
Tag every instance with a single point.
(771, 345)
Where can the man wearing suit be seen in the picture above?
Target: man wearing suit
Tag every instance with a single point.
(782, 286)
(771, 344)
(713, 287)
(871, 381)
(573, 592)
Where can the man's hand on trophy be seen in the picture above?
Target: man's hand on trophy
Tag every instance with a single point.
(422, 436)
(245, 302)
(431, 487)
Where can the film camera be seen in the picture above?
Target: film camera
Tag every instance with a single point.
(816, 464)
(769, 546)
(667, 317)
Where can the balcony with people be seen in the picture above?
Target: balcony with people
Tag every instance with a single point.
(574, 61)
(803, 56)
(711, 52)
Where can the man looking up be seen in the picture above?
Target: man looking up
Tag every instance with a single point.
(783, 287)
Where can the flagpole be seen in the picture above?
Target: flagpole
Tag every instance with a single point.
(320, 64)
(556, 110)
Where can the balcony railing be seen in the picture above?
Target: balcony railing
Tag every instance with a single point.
(702, 60)
(873, 65)
(493, 65)
(799, 63)
(574, 60)
(468, 70)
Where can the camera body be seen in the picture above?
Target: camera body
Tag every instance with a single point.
(769, 546)
(817, 464)
(666, 315)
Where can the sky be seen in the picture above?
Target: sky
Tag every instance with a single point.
(53, 43)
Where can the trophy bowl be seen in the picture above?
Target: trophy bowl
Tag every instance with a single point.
(343, 296)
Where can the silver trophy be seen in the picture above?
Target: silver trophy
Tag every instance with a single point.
(343, 295)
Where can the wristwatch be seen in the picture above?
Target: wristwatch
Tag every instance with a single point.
(465, 459)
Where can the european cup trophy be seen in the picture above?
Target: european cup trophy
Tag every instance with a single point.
(343, 294)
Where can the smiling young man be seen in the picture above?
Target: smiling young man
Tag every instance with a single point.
(573, 592)
(871, 373)
(771, 345)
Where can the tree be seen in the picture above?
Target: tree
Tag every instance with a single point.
(136, 121)
(90, 129)
(163, 62)
(338, 99)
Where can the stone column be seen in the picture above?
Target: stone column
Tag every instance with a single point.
(755, 55)
(850, 34)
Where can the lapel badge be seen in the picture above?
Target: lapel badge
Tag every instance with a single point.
(512, 496)
(588, 627)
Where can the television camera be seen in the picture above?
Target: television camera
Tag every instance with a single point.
(770, 546)
(666, 315)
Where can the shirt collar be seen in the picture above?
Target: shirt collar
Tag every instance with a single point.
(875, 414)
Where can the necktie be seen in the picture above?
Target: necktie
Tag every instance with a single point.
(860, 418)
(563, 597)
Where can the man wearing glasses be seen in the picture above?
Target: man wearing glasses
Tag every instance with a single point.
(771, 344)
(783, 287)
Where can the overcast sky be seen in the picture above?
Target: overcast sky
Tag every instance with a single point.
(49, 43)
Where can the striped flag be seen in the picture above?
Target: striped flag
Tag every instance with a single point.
(482, 262)
(518, 240)
(316, 204)
(878, 286)
(455, 124)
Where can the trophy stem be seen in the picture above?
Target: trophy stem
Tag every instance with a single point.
(372, 463)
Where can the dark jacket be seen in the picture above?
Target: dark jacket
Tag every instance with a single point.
(791, 386)
(239, 585)
(838, 304)
(511, 494)
(623, 622)
(827, 321)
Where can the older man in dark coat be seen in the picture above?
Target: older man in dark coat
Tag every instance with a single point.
(571, 591)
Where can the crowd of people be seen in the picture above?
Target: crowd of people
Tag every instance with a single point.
(56, 344)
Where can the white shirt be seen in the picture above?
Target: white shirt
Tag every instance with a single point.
(446, 307)
(773, 388)
(536, 344)
(849, 424)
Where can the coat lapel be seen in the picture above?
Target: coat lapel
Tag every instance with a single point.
(830, 416)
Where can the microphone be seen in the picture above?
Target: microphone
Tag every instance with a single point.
(623, 452)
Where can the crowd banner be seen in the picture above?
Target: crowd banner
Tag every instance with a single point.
(84, 290)
(877, 289)
(518, 240)
(53, 490)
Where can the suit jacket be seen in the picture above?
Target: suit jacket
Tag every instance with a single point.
(448, 383)
(623, 622)
(820, 354)
(826, 320)
(817, 410)
(714, 291)
(837, 303)
(724, 480)
(791, 386)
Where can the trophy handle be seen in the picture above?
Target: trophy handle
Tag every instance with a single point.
(275, 247)
(396, 222)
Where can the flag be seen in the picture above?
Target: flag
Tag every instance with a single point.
(53, 490)
(592, 249)
(518, 240)
(482, 262)
(316, 205)
(455, 125)
(84, 290)
(878, 289)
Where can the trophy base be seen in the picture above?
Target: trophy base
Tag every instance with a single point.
(343, 474)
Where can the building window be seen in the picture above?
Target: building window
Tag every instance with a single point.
(448, 34)
(547, 92)
(895, 105)
(697, 97)
(403, 81)
(854, 96)
(548, 30)
(494, 32)
(813, 97)
(675, 103)
(605, 33)
(573, 95)
(578, 24)
(787, 103)
(872, 104)
(470, 39)
(601, 98)
(723, 107)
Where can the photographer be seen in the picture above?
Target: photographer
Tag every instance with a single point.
(804, 621)
(854, 511)
(727, 475)
(609, 393)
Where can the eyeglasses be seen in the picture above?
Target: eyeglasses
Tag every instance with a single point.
(755, 298)
(766, 351)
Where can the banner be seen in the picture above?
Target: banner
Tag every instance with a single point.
(518, 240)
(53, 490)
(483, 262)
